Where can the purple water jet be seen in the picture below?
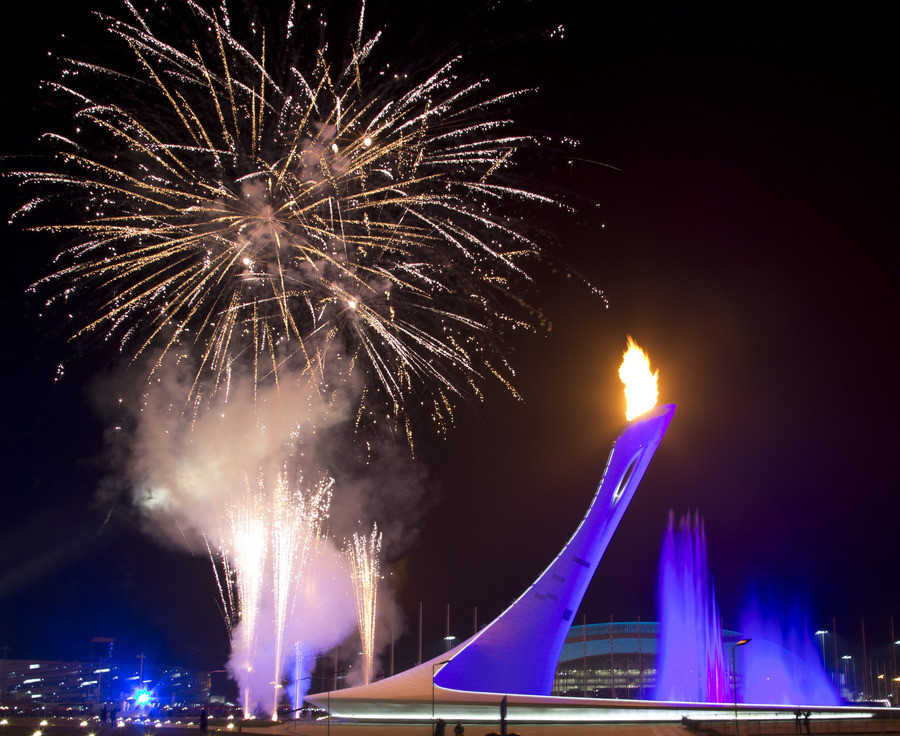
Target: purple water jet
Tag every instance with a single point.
(691, 659)
(780, 666)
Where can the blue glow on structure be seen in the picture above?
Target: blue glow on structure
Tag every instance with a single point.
(783, 665)
(518, 652)
(514, 659)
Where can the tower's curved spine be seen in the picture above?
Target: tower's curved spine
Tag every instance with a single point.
(518, 652)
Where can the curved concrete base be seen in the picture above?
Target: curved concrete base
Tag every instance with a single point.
(395, 705)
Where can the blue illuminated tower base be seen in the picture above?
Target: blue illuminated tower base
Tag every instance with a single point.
(518, 652)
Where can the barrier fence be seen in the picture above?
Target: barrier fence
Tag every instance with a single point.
(889, 723)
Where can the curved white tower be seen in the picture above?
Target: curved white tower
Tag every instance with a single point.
(518, 652)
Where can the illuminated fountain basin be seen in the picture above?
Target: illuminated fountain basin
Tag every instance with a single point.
(779, 666)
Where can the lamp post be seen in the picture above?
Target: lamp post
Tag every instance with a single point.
(433, 669)
(328, 702)
(5, 649)
(822, 632)
(734, 680)
(849, 661)
(894, 677)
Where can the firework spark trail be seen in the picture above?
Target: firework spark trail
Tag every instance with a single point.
(296, 523)
(248, 548)
(318, 503)
(365, 572)
(286, 519)
(320, 227)
(262, 216)
(224, 576)
(285, 529)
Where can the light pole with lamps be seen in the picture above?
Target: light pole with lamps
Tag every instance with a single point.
(328, 702)
(894, 677)
(849, 661)
(822, 633)
(734, 680)
(433, 668)
(5, 649)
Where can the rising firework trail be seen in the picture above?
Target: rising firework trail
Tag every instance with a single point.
(364, 552)
(311, 220)
(267, 547)
(243, 551)
(296, 524)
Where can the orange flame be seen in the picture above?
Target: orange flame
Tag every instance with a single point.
(641, 391)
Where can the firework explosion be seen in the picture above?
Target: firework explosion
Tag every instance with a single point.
(364, 552)
(258, 216)
(320, 230)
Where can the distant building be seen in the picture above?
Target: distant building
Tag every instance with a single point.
(614, 660)
(28, 684)
(34, 682)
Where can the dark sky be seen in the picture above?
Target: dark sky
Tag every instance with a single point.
(744, 233)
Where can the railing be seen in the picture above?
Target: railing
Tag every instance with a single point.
(889, 723)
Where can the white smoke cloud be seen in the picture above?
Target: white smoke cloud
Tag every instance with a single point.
(189, 470)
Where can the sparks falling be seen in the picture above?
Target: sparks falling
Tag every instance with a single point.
(296, 527)
(267, 549)
(259, 221)
(315, 221)
(243, 552)
(365, 571)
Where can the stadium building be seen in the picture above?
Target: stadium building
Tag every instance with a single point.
(614, 660)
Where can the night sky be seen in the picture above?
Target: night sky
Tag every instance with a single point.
(743, 163)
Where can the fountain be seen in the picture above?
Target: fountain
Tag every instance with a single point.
(780, 667)
(783, 665)
(691, 662)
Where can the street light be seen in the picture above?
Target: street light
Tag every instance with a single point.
(849, 660)
(328, 702)
(734, 679)
(894, 653)
(433, 668)
(5, 649)
(822, 632)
